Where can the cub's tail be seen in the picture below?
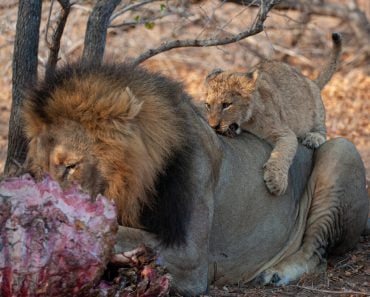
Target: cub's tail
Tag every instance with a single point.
(331, 65)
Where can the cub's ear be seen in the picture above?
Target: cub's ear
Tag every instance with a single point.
(252, 75)
(213, 74)
(133, 105)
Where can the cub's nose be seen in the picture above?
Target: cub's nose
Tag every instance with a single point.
(215, 125)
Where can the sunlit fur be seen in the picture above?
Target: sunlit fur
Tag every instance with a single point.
(100, 127)
(276, 103)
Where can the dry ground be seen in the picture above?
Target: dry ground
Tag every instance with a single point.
(346, 97)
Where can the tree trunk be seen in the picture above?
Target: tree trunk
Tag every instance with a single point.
(96, 31)
(24, 73)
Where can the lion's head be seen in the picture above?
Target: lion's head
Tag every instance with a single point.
(100, 127)
(228, 100)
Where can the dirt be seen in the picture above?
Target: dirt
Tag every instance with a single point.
(346, 97)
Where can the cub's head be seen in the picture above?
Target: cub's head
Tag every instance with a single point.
(228, 100)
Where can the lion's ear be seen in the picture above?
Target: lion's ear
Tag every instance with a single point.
(213, 74)
(133, 105)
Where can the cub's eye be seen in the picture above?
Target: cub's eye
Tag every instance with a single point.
(226, 105)
(208, 106)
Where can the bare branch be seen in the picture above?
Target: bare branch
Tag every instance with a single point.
(141, 21)
(96, 31)
(54, 44)
(24, 74)
(353, 14)
(130, 7)
(256, 28)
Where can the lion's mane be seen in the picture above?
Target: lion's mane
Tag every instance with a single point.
(137, 131)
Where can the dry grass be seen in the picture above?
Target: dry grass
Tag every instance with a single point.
(346, 97)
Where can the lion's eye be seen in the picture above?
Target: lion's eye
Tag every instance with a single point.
(69, 169)
(208, 106)
(71, 166)
(226, 105)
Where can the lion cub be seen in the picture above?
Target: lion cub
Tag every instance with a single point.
(276, 103)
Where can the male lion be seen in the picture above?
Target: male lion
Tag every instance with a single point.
(277, 104)
(181, 188)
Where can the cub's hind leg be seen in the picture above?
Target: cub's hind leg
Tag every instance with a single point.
(314, 139)
(317, 135)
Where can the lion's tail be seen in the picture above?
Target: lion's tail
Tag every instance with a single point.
(331, 65)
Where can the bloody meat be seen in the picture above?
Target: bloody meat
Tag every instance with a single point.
(53, 242)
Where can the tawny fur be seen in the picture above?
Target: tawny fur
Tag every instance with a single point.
(104, 133)
(276, 103)
(108, 127)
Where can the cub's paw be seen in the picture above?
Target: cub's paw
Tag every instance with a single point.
(313, 139)
(276, 179)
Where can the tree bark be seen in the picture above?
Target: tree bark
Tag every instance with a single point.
(56, 35)
(24, 73)
(96, 31)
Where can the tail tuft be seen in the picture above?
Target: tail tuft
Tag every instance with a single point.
(337, 38)
(332, 63)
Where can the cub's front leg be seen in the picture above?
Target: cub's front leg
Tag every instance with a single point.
(276, 169)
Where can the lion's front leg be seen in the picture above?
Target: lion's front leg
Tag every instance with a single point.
(188, 263)
(277, 167)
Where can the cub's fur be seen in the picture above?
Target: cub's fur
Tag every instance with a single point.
(276, 103)
(99, 126)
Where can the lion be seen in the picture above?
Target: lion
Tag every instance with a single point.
(276, 103)
(182, 189)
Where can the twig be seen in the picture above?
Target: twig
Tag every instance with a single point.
(353, 15)
(292, 53)
(54, 44)
(256, 28)
(140, 22)
(331, 292)
(130, 7)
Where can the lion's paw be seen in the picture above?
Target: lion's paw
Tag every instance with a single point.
(274, 277)
(268, 277)
(313, 139)
(280, 275)
(276, 179)
(291, 269)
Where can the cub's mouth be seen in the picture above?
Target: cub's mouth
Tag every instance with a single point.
(232, 131)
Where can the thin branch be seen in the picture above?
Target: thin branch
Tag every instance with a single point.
(141, 22)
(353, 15)
(256, 28)
(54, 43)
(332, 292)
(96, 31)
(130, 7)
(292, 53)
